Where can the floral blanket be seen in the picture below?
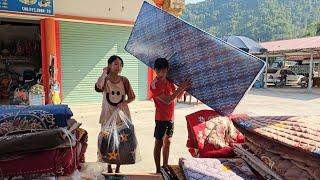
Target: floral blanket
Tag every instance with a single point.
(16, 118)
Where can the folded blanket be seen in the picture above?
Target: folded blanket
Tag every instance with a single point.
(301, 133)
(31, 141)
(14, 118)
(205, 168)
(62, 161)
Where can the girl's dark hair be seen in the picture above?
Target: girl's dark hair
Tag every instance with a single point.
(113, 58)
(161, 63)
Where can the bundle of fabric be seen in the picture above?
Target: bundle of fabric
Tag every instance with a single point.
(211, 135)
(117, 141)
(38, 141)
(13, 118)
(211, 168)
(288, 145)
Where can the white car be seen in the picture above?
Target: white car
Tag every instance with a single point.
(292, 78)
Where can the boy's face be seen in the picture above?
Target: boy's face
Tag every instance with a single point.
(116, 66)
(162, 73)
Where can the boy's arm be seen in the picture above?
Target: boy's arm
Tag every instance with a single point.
(181, 94)
(169, 99)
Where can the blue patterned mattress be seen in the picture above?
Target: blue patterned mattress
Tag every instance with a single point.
(221, 74)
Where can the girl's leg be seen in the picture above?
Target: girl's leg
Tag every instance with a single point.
(118, 168)
(109, 168)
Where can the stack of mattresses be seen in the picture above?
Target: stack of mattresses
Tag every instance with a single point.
(38, 141)
(289, 146)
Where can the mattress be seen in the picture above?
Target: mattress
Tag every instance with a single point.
(210, 168)
(300, 133)
(221, 74)
(285, 167)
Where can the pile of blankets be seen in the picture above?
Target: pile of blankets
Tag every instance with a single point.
(289, 146)
(274, 147)
(211, 140)
(40, 141)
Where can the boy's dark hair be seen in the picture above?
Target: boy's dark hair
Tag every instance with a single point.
(113, 58)
(161, 63)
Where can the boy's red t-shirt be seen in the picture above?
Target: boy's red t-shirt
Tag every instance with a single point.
(164, 112)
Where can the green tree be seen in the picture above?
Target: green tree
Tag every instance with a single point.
(261, 20)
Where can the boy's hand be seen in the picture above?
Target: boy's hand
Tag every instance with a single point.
(186, 84)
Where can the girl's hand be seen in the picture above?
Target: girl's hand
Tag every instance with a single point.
(122, 105)
(106, 70)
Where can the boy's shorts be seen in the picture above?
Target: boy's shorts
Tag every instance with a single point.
(162, 128)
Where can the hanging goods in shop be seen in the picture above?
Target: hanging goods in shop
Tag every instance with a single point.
(54, 85)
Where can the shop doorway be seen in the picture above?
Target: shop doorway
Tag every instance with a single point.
(20, 62)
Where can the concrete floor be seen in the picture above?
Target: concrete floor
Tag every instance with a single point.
(257, 102)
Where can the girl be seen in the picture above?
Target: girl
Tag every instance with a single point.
(117, 93)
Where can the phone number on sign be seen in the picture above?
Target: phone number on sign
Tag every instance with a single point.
(36, 10)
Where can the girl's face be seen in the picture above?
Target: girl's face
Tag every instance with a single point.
(115, 66)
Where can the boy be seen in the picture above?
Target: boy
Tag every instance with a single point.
(164, 94)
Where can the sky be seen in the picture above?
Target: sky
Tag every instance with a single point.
(192, 1)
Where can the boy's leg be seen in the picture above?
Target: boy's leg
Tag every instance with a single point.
(159, 132)
(167, 142)
(157, 154)
(166, 149)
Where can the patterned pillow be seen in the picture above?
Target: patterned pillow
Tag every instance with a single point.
(196, 126)
(211, 135)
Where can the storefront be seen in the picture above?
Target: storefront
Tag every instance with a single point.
(85, 49)
(22, 52)
(49, 44)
